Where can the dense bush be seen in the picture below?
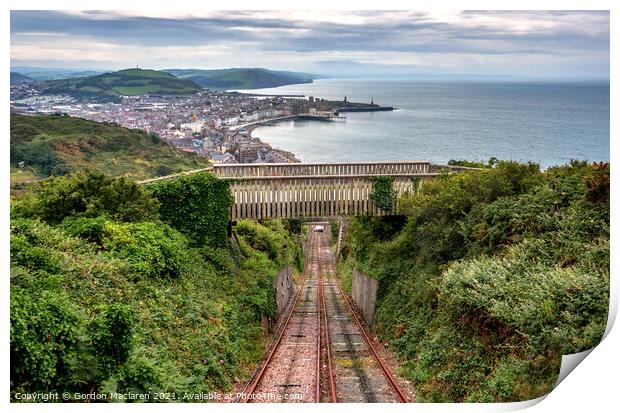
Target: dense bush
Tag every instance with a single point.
(473, 164)
(102, 305)
(112, 334)
(44, 335)
(293, 225)
(153, 249)
(597, 184)
(90, 229)
(163, 170)
(435, 212)
(197, 205)
(87, 195)
(494, 276)
(270, 238)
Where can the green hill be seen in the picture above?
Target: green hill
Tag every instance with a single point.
(56, 145)
(123, 82)
(18, 79)
(238, 78)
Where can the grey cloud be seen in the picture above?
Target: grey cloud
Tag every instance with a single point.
(572, 33)
(410, 32)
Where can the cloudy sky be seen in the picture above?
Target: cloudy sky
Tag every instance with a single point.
(520, 44)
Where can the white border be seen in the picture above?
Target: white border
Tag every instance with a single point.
(592, 386)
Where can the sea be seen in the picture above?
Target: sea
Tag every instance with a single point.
(547, 123)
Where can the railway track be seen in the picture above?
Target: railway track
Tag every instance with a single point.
(322, 353)
(290, 372)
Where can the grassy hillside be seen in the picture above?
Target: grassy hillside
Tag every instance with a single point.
(56, 145)
(123, 82)
(110, 291)
(490, 277)
(237, 78)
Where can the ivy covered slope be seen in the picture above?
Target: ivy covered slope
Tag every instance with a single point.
(121, 288)
(57, 145)
(490, 277)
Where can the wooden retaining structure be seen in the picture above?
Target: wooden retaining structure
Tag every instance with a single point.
(316, 190)
(312, 196)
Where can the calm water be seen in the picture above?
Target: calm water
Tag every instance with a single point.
(542, 122)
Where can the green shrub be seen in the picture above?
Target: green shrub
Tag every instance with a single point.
(86, 195)
(112, 334)
(270, 238)
(140, 375)
(31, 256)
(554, 307)
(154, 250)
(220, 258)
(163, 170)
(197, 205)
(89, 298)
(44, 335)
(597, 184)
(293, 225)
(335, 231)
(260, 297)
(90, 229)
(473, 164)
(33, 246)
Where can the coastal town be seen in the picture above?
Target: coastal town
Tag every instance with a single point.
(214, 124)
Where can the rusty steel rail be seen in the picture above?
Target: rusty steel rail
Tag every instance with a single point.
(386, 371)
(317, 395)
(323, 339)
(257, 378)
(330, 369)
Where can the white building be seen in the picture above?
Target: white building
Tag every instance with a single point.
(231, 120)
(195, 127)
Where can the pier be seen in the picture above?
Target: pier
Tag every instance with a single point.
(322, 116)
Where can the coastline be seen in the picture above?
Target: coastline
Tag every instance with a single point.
(290, 156)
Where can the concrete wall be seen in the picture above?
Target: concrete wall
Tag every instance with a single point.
(285, 289)
(364, 293)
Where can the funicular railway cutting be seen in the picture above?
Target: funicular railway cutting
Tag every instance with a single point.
(321, 352)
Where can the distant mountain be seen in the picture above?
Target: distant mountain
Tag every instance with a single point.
(123, 82)
(59, 144)
(19, 79)
(45, 73)
(239, 78)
